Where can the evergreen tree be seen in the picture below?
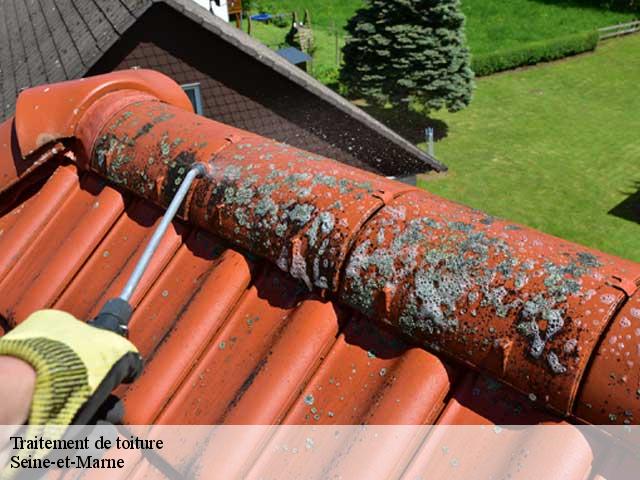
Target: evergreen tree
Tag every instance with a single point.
(409, 50)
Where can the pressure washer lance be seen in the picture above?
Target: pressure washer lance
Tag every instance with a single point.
(116, 313)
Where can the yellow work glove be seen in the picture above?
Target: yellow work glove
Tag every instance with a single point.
(77, 365)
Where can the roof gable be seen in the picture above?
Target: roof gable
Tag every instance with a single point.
(54, 43)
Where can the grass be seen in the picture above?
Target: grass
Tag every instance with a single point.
(491, 24)
(499, 24)
(556, 147)
(325, 55)
(323, 12)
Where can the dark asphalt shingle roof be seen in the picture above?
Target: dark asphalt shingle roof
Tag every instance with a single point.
(51, 41)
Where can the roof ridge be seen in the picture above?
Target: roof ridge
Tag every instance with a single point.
(526, 307)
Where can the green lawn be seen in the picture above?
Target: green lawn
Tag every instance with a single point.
(498, 24)
(491, 24)
(324, 57)
(556, 147)
(323, 12)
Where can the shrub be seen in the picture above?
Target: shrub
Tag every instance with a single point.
(281, 20)
(620, 5)
(328, 76)
(248, 5)
(534, 52)
(261, 6)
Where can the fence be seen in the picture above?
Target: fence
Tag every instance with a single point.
(620, 29)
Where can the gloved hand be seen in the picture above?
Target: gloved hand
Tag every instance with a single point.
(77, 365)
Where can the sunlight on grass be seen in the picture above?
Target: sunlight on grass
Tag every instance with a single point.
(273, 37)
(491, 24)
(555, 147)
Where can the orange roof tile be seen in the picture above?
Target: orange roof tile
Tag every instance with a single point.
(296, 290)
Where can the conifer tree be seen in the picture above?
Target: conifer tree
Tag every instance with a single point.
(401, 51)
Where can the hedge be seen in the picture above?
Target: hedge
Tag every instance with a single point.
(534, 52)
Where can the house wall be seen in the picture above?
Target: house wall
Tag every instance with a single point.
(241, 91)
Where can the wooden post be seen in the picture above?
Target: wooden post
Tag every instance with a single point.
(234, 8)
(335, 30)
(307, 19)
(249, 25)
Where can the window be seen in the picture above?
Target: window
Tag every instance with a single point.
(193, 92)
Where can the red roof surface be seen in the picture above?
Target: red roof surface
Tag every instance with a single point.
(313, 315)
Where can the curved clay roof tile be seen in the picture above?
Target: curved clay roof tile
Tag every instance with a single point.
(531, 309)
